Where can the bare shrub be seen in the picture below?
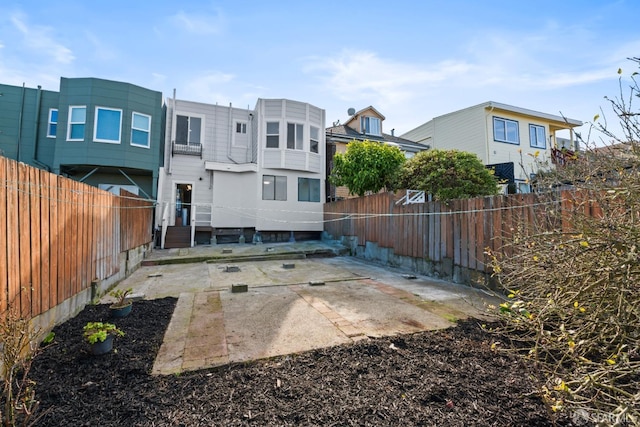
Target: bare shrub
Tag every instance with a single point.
(573, 277)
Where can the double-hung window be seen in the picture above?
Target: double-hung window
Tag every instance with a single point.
(274, 187)
(295, 134)
(188, 130)
(77, 122)
(314, 139)
(52, 126)
(140, 130)
(273, 135)
(505, 130)
(537, 137)
(308, 190)
(107, 125)
(370, 125)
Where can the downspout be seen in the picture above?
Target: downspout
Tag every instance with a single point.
(20, 121)
(230, 134)
(36, 128)
(171, 133)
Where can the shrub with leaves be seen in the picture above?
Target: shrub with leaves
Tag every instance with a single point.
(573, 279)
(448, 174)
(367, 166)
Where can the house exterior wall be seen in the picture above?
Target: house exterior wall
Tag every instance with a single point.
(25, 136)
(24, 114)
(472, 130)
(290, 214)
(128, 98)
(228, 180)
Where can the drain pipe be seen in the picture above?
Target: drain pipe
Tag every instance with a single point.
(230, 134)
(20, 121)
(36, 128)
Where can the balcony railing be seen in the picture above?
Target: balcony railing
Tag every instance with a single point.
(188, 149)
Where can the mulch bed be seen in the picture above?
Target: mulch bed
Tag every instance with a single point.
(449, 377)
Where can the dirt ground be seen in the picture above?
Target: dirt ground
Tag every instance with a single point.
(443, 378)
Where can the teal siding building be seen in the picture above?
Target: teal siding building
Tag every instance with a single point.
(105, 133)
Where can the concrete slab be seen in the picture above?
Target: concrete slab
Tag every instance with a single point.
(281, 313)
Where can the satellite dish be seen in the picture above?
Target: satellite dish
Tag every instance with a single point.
(351, 111)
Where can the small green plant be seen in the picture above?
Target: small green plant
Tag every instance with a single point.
(98, 331)
(120, 295)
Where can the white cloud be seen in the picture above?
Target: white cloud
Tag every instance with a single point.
(41, 40)
(202, 24)
(206, 88)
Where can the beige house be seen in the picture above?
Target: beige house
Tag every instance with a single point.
(511, 139)
(366, 124)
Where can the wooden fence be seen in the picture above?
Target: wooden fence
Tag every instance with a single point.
(458, 232)
(58, 235)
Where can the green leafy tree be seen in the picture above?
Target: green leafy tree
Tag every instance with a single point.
(367, 166)
(448, 174)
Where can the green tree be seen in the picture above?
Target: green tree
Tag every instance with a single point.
(367, 166)
(448, 174)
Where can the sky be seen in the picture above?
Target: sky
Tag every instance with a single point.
(411, 60)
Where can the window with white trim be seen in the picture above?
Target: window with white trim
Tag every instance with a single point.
(308, 190)
(314, 139)
(188, 130)
(274, 187)
(140, 130)
(107, 125)
(370, 125)
(52, 126)
(295, 135)
(77, 122)
(505, 130)
(537, 136)
(273, 135)
(241, 127)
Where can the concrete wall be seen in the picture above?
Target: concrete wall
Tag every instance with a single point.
(444, 269)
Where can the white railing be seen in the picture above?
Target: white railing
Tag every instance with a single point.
(165, 223)
(412, 196)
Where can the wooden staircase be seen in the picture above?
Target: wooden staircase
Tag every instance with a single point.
(177, 237)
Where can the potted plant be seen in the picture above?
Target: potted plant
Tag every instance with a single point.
(122, 306)
(100, 336)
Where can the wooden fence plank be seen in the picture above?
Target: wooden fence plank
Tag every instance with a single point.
(4, 265)
(24, 229)
(36, 236)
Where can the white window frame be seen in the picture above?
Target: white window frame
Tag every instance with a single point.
(272, 134)
(366, 125)
(72, 123)
(308, 198)
(535, 130)
(50, 122)
(298, 136)
(148, 131)
(506, 133)
(314, 141)
(95, 126)
(241, 127)
(277, 181)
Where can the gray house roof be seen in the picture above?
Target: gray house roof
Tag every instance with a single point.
(343, 133)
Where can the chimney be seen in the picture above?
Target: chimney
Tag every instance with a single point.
(393, 131)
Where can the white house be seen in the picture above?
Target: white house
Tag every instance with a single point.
(510, 139)
(237, 174)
